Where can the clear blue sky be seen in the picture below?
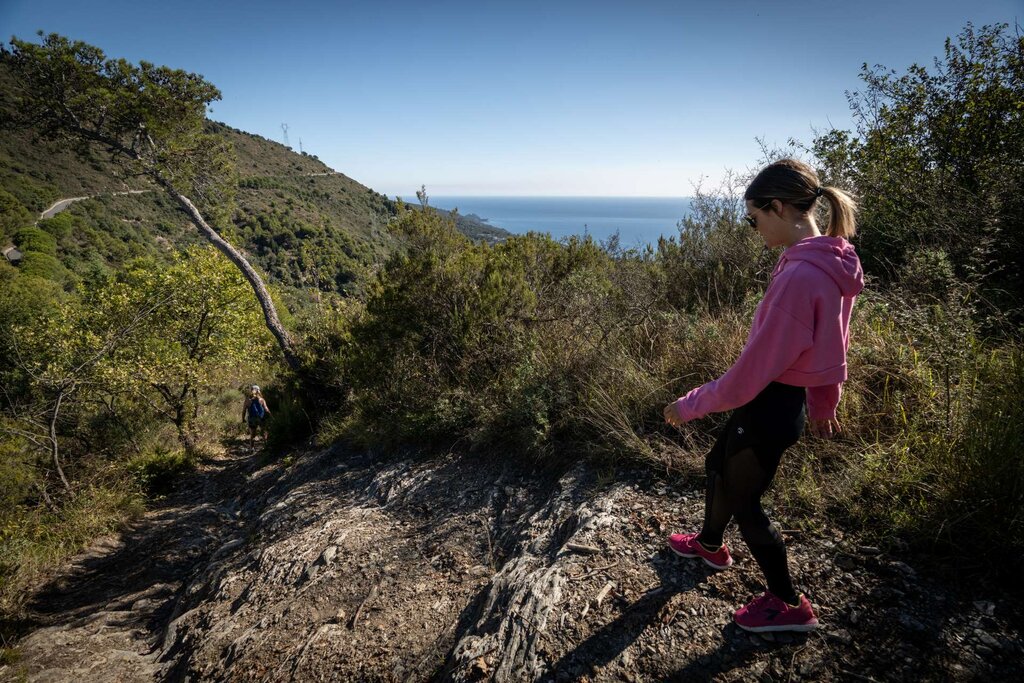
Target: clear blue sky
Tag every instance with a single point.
(522, 98)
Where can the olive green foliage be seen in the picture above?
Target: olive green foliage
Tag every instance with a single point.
(293, 414)
(204, 322)
(22, 299)
(108, 392)
(718, 260)
(43, 266)
(13, 215)
(452, 340)
(39, 258)
(306, 255)
(533, 345)
(149, 118)
(157, 471)
(59, 227)
(34, 239)
(938, 160)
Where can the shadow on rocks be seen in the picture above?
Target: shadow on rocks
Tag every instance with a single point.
(609, 642)
(147, 564)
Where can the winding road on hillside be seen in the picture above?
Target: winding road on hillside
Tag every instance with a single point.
(62, 204)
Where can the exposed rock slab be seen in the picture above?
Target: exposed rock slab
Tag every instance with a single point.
(345, 567)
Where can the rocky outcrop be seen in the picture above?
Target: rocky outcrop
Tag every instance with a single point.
(348, 567)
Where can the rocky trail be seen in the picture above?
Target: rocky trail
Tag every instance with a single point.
(341, 566)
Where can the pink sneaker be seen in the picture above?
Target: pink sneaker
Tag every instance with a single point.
(769, 613)
(686, 545)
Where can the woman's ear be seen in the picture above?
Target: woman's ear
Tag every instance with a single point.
(777, 207)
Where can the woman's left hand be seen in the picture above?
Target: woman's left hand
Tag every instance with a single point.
(825, 429)
(672, 415)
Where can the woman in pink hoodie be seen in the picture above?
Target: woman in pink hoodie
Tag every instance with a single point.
(791, 370)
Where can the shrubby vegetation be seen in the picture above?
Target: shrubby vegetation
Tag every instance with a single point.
(569, 350)
(105, 394)
(936, 158)
(566, 351)
(122, 341)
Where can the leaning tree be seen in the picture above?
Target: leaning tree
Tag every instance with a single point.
(150, 119)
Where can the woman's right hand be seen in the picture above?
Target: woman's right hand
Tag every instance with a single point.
(672, 415)
(826, 429)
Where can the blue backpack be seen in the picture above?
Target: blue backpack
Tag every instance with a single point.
(256, 409)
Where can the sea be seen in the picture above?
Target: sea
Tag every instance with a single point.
(636, 220)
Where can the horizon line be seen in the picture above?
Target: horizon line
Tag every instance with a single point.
(553, 196)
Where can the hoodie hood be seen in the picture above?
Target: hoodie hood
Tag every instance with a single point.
(834, 255)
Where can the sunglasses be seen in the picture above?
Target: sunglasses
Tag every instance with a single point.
(752, 220)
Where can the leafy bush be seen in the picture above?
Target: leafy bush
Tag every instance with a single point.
(290, 422)
(13, 214)
(461, 340)
(937, 160)
(38, 265)
(935, 410)
(34, 239)
(158, 471)
(59, 227)
(717, 261)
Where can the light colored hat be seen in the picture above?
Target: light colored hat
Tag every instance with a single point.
(254, 387)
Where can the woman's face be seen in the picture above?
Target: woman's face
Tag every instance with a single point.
(768, 223)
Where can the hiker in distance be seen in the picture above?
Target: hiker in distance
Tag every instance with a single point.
(255, 412)
(792, 368)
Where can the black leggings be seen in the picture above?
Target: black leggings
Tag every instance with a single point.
(741, 466)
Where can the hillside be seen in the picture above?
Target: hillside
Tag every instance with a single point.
(306, 225)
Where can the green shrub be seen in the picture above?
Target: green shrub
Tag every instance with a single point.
(938, 161)
(937, 429)
(34, 239)
(290, 422)
(158, 471)
(36, 264)
(461, 340)
(717, 261)
(59, 227)
(13, 215)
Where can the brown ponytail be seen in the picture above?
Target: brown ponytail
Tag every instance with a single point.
(841, 221)
(794, 182)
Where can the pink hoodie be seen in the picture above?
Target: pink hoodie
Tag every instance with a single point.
(800, 333)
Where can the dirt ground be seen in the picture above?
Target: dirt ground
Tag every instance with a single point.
(343, 566)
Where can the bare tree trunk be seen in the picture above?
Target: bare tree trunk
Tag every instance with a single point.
(269, 311)
(46, 497)
(55, 451)
(186, 430)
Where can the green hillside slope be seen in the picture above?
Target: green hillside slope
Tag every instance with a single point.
(303, 230)
(307, 226)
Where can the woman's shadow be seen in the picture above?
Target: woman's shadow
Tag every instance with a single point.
(676, 575)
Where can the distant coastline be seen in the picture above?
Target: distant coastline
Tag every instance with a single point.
(637, 220)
